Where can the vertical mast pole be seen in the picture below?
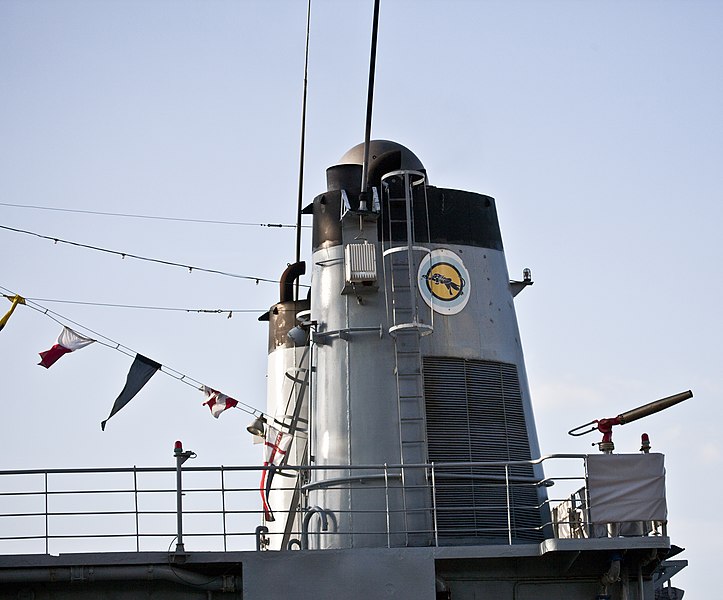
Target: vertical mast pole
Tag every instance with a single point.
(301, 151)
(370, 98)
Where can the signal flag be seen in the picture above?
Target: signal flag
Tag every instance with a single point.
(141, 371)
(68, 341)
(275, 448)
(217, 401)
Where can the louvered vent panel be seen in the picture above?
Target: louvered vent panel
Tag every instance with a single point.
(360, 263)
(474, 413)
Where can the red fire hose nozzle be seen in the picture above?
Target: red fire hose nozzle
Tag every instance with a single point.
(605, 426)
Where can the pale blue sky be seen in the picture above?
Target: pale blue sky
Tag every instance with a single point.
(596, 125)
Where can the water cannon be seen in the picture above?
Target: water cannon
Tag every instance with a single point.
(605, 426)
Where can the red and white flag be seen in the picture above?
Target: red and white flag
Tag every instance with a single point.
(275, 448)
(68, 341)
(217, 401)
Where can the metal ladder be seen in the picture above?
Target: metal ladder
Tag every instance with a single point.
(293, 509)
(406, 330)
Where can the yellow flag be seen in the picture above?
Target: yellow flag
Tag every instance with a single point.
(15, 300)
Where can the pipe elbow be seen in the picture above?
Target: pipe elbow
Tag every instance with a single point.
(314, 510)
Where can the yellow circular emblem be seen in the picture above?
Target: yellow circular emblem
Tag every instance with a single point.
(444, 281)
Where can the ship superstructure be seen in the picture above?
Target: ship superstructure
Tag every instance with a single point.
(401, 458)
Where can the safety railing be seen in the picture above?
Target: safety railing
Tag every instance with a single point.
(135, 509)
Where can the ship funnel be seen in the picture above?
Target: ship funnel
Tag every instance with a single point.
(420, 364)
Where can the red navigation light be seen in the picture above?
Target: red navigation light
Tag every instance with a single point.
(178, 448)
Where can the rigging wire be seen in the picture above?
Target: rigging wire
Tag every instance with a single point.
(154, 217)
(190, 268)
(220, 311)
(113, 345)
(143, 307)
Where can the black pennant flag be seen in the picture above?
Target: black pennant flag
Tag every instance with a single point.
(141, 371)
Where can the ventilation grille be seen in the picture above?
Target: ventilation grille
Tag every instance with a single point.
(474, 413)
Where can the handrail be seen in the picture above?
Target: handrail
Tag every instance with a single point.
(500, 463)
(47, 509)
(333, 481)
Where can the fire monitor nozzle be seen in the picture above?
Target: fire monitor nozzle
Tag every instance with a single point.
(605, 426)
(652, 407)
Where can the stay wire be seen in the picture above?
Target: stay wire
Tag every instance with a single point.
(154, 217)
(124, 255)
(113, 345)
(221, 311)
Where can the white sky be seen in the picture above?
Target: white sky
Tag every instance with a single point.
(596, 125)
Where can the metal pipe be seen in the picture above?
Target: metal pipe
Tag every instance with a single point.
(181, 457)
(286, 283)
(319, 337)
(653, 407)
(294, 468)
(47, 531)
(334, 481)
(434, 507)
(305, 524)
(509, 512)
(135, 500)
(293, 542)
(179, 504)
(386, 505)
(411, 271)
(88, 574)
(255, 468)
(223, 508)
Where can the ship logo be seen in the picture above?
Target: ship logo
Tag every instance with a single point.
(444, 282)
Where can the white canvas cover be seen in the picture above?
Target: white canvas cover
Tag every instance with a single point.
(627, 487)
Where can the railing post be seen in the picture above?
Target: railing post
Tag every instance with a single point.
(179, 505)
(223, 508)
(45, 477)
(181, 457)
(509, 513)
(589, 525)
(386, 503)
(434, 507)
(135, 497)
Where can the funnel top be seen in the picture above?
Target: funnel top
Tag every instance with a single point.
(379, 149)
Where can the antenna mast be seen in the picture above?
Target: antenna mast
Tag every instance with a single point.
(370, 98)
(303, 140)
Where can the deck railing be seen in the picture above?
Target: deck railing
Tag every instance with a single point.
(134, 509)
